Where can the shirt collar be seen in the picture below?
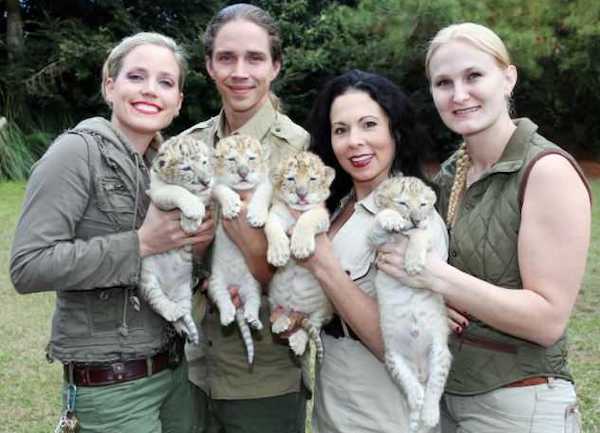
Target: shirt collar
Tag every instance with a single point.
(367, 203)
(258, 126)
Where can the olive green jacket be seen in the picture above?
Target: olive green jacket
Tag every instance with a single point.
(76, 236)
(219, 365)
(483, 243)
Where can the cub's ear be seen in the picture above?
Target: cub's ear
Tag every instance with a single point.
(329, 175)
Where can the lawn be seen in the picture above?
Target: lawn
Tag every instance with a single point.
(29, 397)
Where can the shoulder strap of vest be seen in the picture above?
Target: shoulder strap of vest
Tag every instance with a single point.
(536, 158)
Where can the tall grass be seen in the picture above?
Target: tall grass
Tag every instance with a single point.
(15, 157)
(18, 150)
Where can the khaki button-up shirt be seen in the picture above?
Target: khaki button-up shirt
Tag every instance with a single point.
(219, 365)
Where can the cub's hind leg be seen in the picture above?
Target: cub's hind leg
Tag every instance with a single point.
(409, 383)
(219, 293)
(250, 297)
(439, 366)
(151, 291)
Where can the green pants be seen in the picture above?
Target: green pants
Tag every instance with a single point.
(280, 414)
(160, 403)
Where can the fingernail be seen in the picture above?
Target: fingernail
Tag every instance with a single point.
(458, 330)
(465, 324)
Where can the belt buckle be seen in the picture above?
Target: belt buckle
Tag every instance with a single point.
(118, 369)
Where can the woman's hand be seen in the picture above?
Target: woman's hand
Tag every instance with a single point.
(457, 321)
(390, 259)
(161, 231)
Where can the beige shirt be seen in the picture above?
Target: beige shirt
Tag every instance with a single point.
(219, 365)
(354, 392)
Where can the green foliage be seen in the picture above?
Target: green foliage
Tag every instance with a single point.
(554, 43)
(15, 157)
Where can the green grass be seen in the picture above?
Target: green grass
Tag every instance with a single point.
(30, 391)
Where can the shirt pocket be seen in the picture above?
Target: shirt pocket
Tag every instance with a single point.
(116, 201)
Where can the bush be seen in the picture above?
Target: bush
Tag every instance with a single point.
(16, 156)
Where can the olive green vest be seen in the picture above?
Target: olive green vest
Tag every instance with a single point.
(483, 243)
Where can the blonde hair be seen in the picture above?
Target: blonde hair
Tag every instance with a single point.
(114, 62)
(489, 42)
(463, 162)
(476, 35)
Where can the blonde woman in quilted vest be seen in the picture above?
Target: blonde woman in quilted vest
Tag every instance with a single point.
(518, 211)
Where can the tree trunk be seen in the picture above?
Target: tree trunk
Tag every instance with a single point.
(14, 31)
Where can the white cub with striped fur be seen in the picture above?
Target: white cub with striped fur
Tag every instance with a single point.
(241, 163)
(181, 178)
(300, 187)
(413, 320)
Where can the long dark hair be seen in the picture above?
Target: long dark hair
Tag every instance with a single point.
(248, 12)
(412, 141)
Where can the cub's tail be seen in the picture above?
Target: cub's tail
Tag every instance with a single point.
(246, 334)
(313, 334)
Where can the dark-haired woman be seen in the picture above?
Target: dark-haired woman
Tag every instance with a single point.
(362, 125)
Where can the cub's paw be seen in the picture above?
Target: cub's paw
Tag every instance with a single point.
(298, 341)
(415, 396)
(281, 324)
(253, 320)
(430, 415)
(391, 221)
(257, 214)
(227, 313)
(193, 211)
(278, 252)
(190, 225)
(172, 311)
(302, 245)
(232, 207)
(414, 262)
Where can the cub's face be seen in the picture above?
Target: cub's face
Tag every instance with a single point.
(241, 162)
(302, 181)
(185, 161)
(409, 196)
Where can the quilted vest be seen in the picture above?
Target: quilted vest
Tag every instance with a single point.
(483, 243)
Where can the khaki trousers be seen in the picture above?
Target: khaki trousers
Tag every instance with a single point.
(546, 408)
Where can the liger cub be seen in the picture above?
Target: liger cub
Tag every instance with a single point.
(181, 177)
(413, 320)
(241, 163)
(300, 187)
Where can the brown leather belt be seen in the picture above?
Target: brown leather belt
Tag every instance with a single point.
(537, 380)
(485, 344)
(117, 372)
